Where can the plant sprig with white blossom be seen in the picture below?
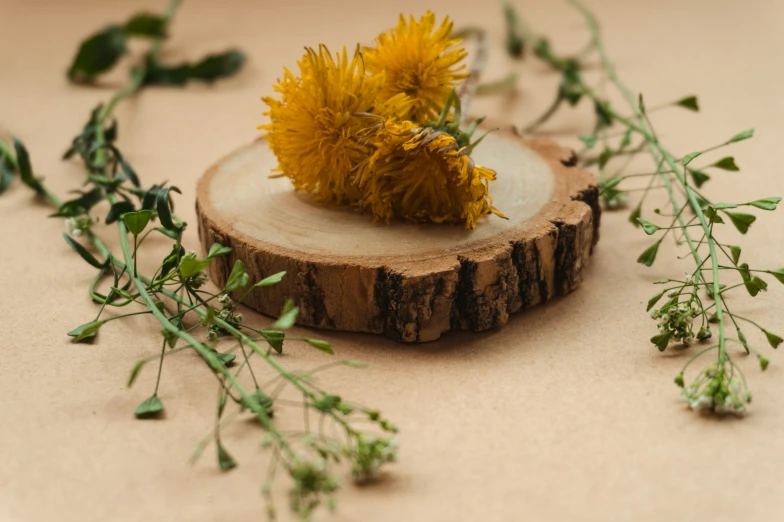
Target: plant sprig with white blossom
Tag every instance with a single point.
(191, 318)
(690, 308)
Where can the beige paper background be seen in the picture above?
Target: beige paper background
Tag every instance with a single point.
(566, 414)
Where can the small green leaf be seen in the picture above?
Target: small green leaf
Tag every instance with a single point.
(137, 369)
(649, 256)
(274, 339)
(773, 339)
(724, 206)
(679, 380)
(288, 317)
(744, 271)
(742, 136)
(324, 346)
(661, 340)
(588, 139)
(271, 280)
(648, 227)
(699, 177)
(149, 408)
(741, 221)
(136, 222)
(763, 362)
(81, 205)
(6, 173)
(85, 331)
(171, 261)
(735, 253)
(226, 358)
(83, 252)
(238, 278)
(189, 266)
(713, 215)
(146, 25)
(264, 400)
(755, 285)
(689, 157)
(514, 44)
(635, 215)
(150, 197)
(604, 117)
(689, 102)
(25, 167)
(163, 206)
(98, 54)
(766, 203)
(225, 461)
(126, 168)
(326, 403)
(118, 209)
(217, 250)
(170, 337)
(208, 70)
(727, 163)
(653, 300)
(778, 274)
(626, 140)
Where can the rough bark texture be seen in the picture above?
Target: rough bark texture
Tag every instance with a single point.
(412, 299)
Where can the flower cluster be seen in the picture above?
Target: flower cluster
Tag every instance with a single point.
(676, 321)
(228, 314)
(368, 455)
(77, 226)
(312, 480)
(716, 389)
(361, 130)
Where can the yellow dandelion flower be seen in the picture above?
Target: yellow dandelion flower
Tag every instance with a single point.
(421, 174)
(316, 126)
(419, 63)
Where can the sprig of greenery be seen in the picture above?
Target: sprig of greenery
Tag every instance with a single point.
(190, 317)
(698, 300)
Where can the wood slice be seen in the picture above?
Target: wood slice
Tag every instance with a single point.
(409, 282)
